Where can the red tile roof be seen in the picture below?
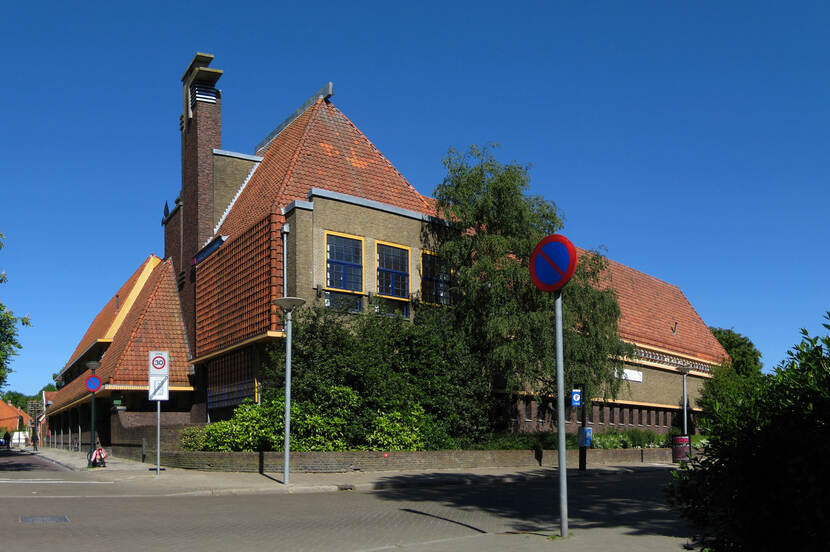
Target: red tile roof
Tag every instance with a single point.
(9, 415)
(102, 324)
(154, 323)
(322, 148)
(649, 310)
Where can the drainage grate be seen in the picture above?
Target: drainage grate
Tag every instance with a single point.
(44, 519)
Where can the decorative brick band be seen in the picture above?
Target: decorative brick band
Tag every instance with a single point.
(672, 360)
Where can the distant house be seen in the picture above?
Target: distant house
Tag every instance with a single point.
(315, 211)
(13, 418)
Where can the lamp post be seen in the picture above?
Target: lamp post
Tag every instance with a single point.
(287, 304)
(92, 365)
(685, 371)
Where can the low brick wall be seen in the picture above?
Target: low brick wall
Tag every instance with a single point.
(332, 462)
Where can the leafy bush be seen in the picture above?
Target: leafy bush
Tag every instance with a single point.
(544, 440)
(192, 438)
(608, 440)
(643, 438)
(761, 483)
(324, 426)
(398, 430)
(630, 438)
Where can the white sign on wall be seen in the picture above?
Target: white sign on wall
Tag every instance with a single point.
(632, 375)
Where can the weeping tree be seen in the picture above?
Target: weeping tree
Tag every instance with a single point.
(487, 228)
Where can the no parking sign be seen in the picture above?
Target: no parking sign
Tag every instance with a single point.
(552, 263)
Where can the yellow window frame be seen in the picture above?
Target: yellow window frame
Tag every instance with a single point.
(408, 269)
(326, 287)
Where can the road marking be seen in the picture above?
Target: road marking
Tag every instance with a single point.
(44, 519)
(55, 482)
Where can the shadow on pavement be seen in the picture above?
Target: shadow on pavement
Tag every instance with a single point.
(12, 460)
(628, 499)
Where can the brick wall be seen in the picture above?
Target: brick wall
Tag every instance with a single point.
(332, 462)
(200, 135)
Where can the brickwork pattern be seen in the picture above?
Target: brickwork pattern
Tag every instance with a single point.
(332, 462)
(173, 240)
(235, 286)
(200, 136)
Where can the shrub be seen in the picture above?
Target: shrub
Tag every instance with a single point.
(630, 438)
(192, 438)
(543, 440)
(398, 430)
(253, 427)
(608, 440)
(761, 483)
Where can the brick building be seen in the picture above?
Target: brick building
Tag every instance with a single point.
(316, 211)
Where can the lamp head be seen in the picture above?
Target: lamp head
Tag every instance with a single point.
(289, 303)
(93, 365)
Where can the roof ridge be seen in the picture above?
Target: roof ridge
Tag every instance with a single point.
(382, 156)
(297, 150)
(623, 265)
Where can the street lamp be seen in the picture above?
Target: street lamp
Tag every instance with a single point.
(92, 365)
(287, 304)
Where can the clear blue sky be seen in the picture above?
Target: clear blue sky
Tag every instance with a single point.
(690, 139)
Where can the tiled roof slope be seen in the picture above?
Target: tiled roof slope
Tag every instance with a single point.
(322, 148)
(154, 323)
(9, 414)
(649, 309)
(102, 325)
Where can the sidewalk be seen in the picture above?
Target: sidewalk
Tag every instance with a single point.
(176, 481)
(606, 528)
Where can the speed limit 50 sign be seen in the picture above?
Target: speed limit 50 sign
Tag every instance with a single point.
(159, 363)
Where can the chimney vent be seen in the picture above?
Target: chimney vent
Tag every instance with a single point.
(202, 93)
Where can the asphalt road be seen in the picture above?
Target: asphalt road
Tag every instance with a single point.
(47, 510)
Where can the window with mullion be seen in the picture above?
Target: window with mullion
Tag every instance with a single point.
(393, 271)
(435, 284)
(344, 263)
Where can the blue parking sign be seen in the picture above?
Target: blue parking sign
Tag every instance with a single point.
(576, 397)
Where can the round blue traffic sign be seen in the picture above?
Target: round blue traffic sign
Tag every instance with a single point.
(552, 263)
(93, 383)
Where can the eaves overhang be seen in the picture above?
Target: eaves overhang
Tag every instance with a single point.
(105, 391)
(263, 337)
(371, 204)
(79, 357)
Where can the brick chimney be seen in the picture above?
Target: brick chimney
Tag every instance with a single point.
(201, 128)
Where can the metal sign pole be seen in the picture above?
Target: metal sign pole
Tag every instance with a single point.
(560, 410)
(158, 437)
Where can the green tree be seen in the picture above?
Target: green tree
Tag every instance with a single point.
(492, 228)
(16, 398)
(9, 323)
(746, 358)
(391, 365)
(762, 482)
